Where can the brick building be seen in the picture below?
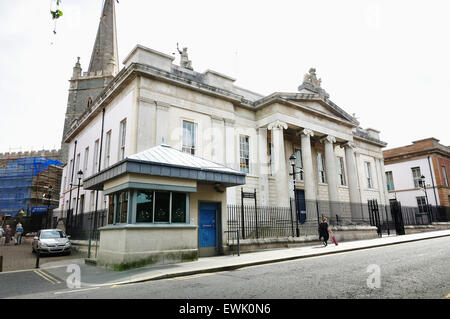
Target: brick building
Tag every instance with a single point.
(405, 167)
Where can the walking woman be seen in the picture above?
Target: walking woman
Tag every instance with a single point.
(324, 230)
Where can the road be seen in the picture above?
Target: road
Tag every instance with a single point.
(410, 270)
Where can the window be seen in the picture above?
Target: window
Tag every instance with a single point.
(179, 205)
(92, 203)
(96, 153)
(77, 163)
(369, 175)
(110, 208)
(107, 148)
(162, 206)
(416, 176)
(69, 177)
(122, 135)
(298, 165)
(320, 168)
(390, 181)
(144, 207)
(122, 208)
(422, 204)
(244, 153)
(444, 174)
(188, 137)
(341, 171)
(81, 205)
(86, 160)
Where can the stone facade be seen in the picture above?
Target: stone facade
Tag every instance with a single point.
(156, 97)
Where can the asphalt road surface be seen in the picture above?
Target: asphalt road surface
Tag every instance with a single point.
(410, 270)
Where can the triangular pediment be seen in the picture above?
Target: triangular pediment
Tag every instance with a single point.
(318, 103)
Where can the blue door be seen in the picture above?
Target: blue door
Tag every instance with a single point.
(207, 225)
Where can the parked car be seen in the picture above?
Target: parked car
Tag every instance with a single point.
(51, 241)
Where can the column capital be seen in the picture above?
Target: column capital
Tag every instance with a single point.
(328, 139)
(349, 144)
(278, 125)
(306, 132)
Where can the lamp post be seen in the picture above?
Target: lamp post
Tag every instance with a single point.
(48, 196)
(424, 187)
(80, 176)
(292, 159)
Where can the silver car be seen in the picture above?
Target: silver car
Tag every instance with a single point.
(51, 241)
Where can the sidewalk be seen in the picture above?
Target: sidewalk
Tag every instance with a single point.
(92, 276)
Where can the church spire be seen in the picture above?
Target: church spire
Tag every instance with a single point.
(104, 55)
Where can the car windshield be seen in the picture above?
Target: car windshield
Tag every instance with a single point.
(52, 234)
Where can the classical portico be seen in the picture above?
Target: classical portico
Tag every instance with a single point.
(310, 123)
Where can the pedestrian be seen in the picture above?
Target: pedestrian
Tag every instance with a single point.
(8, 234)
(1, 235)
(324, 230)
(18, 234)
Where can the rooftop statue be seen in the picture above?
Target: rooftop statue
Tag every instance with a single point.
(184, 60)
(310, 79)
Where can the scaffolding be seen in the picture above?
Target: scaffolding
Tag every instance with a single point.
(24, 181)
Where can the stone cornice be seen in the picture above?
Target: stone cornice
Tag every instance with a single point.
(126, 75)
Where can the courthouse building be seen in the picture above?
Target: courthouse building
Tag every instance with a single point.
(166, 146)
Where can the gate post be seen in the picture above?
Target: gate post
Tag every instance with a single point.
(242, 213)
(256, 216)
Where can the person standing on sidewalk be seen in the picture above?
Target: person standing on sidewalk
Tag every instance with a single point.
(8, 234)
(18, 234)
(324, 230)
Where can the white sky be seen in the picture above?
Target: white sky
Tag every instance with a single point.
(386, 61)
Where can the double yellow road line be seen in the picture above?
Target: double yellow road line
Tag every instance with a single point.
(47, 277)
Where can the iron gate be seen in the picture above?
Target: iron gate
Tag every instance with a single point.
(374, 215)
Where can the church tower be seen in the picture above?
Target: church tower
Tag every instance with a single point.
(85, 87)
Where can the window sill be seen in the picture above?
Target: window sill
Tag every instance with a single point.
(148, 226)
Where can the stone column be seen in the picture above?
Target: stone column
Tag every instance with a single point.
(279, 162)
(330, 168)
(352, 180)
(362, 184)
(308, 173)
(381, 182)
(263, 166)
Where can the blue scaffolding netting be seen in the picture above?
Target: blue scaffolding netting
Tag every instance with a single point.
(16, 180)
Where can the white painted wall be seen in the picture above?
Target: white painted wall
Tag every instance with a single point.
(118, 110)
(405, 191)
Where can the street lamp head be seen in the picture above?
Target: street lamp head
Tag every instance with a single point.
(80, 174)
(292, 159)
